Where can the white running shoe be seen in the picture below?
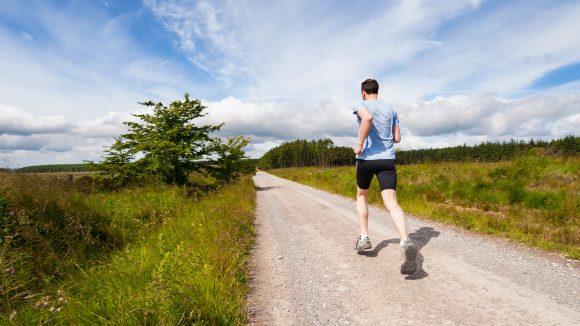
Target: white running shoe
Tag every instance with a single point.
(409, 253)
(362, 243)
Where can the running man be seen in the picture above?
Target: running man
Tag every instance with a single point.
(378, 131)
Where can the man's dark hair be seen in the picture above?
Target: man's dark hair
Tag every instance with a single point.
(370, 86)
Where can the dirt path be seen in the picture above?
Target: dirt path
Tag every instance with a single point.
(307, 273)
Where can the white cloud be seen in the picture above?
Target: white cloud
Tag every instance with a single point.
(443, 121)
(285, 121)
(26, 138)
(16, 121)
(282, 50)
(298, 49)
(16, 142)
(491, 116)
(107, 127)
(204, 29)
(21, 158)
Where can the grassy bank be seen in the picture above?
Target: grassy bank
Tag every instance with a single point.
(533, 199)
(147, 255)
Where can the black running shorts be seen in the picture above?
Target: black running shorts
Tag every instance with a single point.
(384, 170)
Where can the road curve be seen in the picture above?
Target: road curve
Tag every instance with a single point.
(305, 271)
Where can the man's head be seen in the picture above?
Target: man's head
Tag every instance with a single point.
(369, 89)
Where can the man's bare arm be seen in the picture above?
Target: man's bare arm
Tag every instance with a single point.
(365, 126)
(396, 134)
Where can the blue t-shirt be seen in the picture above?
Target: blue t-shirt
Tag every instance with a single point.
(379, 143)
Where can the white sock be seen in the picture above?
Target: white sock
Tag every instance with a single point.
(362, 236)
(403, 242)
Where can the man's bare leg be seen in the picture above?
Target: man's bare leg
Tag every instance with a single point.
(362, 242)
(390, 200)
(363, 210)
(408, 249)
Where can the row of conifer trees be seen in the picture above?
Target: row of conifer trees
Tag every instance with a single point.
(55, 168)
(323, 152)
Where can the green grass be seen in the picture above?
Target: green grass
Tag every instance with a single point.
(533, 199)
(150, 255)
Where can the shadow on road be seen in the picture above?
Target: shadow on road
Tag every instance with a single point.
(420, 238)
(265, 188)
(380, 246)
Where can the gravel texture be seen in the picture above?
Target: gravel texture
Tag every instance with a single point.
(305, 271)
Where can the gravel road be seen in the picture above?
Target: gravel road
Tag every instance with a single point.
(305, 271)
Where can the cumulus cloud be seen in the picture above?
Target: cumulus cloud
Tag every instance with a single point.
(443, 121)
(19, 158)
(13, 142)
(58, 143)
(532, 116)
(16, 121)
(27, 138)
(109, 126)
(287, 120)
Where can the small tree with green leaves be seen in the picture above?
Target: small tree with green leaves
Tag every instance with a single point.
(232, 160)
(170, 145)
(118, 162)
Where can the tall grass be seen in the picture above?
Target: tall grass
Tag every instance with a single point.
(47, 228)
(148, 255)
(533, 199)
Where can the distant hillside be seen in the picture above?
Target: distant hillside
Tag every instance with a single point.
(55, 168)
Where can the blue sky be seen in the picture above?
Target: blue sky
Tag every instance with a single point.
(457, 71)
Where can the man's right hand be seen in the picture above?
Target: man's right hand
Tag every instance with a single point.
(358, 149)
